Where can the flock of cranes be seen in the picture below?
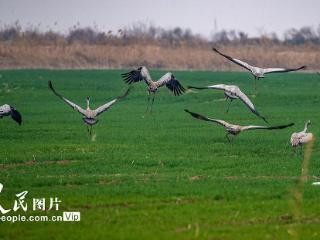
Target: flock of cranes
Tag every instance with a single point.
(231, 92)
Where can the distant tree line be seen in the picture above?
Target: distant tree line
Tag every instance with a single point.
(144, 33)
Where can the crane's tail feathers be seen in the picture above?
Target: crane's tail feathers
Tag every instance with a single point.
(90, 121)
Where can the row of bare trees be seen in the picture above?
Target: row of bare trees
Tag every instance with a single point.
(144, 33)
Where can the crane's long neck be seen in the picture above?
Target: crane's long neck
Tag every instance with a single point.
(306, 126)
(88, 103)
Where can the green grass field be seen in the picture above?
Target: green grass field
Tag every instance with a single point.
(160, 176)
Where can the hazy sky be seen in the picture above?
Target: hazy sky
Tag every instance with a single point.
(252, 16)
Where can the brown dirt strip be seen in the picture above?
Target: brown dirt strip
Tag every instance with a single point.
(177, 201)
(33, 162)
(284, 219)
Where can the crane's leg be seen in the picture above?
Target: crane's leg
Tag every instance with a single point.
(295, 151)
(301, 150)
(255, 86)
(229, 106)
(227, 136)
(233, 136)
(90, 130)
(226, 98)
(154, 96)
(148, 103)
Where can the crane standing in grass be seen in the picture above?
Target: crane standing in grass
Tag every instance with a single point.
(257, 72)
(142, 73)
(89, 114)
(301, 138)
(235, 129)
(233, 92)
(7, 110)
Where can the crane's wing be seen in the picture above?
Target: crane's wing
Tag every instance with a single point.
(171, 83)
(16, 116)
(106, 106)
(279, 70)
(236, 61)
(136, 75)
(249, 104)
(71, 104)
(217, 86)
(201, 117)
(252, 127)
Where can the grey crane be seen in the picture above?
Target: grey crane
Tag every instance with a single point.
(257, 72)
(142, 73)
(7, 110)
(235, 129)
(233, 92)
(89, 114)
(300, 138)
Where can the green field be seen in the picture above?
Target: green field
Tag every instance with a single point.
(164, 175)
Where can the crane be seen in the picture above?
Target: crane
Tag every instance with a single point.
(235, 129)
(233, 92)
(257, 72)
(88, 113)
(142, 73)
(300, 138)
